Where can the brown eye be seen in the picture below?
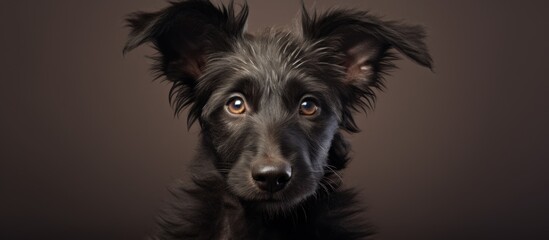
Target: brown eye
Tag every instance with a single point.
(308, 107)
(236, 105)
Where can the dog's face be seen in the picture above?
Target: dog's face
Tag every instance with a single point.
(271, 123)
(270, 105)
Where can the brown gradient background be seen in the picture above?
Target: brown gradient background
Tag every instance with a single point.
(89, 143)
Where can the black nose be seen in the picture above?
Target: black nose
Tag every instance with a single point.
(271, 176)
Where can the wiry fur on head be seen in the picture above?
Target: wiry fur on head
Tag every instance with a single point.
(333, 32)
(335, 61)
(185, 35)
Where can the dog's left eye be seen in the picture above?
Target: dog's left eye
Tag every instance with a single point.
(236, 105)
(308, 107)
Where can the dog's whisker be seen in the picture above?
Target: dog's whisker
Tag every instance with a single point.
(323, 186)
(332, 169)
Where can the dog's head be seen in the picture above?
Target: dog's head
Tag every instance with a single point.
(271, 105)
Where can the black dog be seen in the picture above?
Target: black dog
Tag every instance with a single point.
(271, 107)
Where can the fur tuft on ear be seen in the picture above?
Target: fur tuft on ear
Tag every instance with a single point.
(185, 34)
(362, 46)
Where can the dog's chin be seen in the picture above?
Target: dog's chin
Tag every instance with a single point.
(272, 206)
(276, 203)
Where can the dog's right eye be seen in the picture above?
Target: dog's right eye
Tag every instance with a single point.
(236, 105)
(308, 107)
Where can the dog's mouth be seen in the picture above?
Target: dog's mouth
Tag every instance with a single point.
(269, 200)
(254, 194)
(295, 191)
(272, 204)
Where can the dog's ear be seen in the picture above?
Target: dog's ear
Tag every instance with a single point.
(362, 45)
(184, 34)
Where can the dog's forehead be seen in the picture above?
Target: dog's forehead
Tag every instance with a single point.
(273, 56)
(271, 66)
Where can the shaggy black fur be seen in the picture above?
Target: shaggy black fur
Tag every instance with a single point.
(271, 107)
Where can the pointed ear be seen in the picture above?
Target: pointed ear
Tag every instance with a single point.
(364, 41)
(362, 46)
(184, 34)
